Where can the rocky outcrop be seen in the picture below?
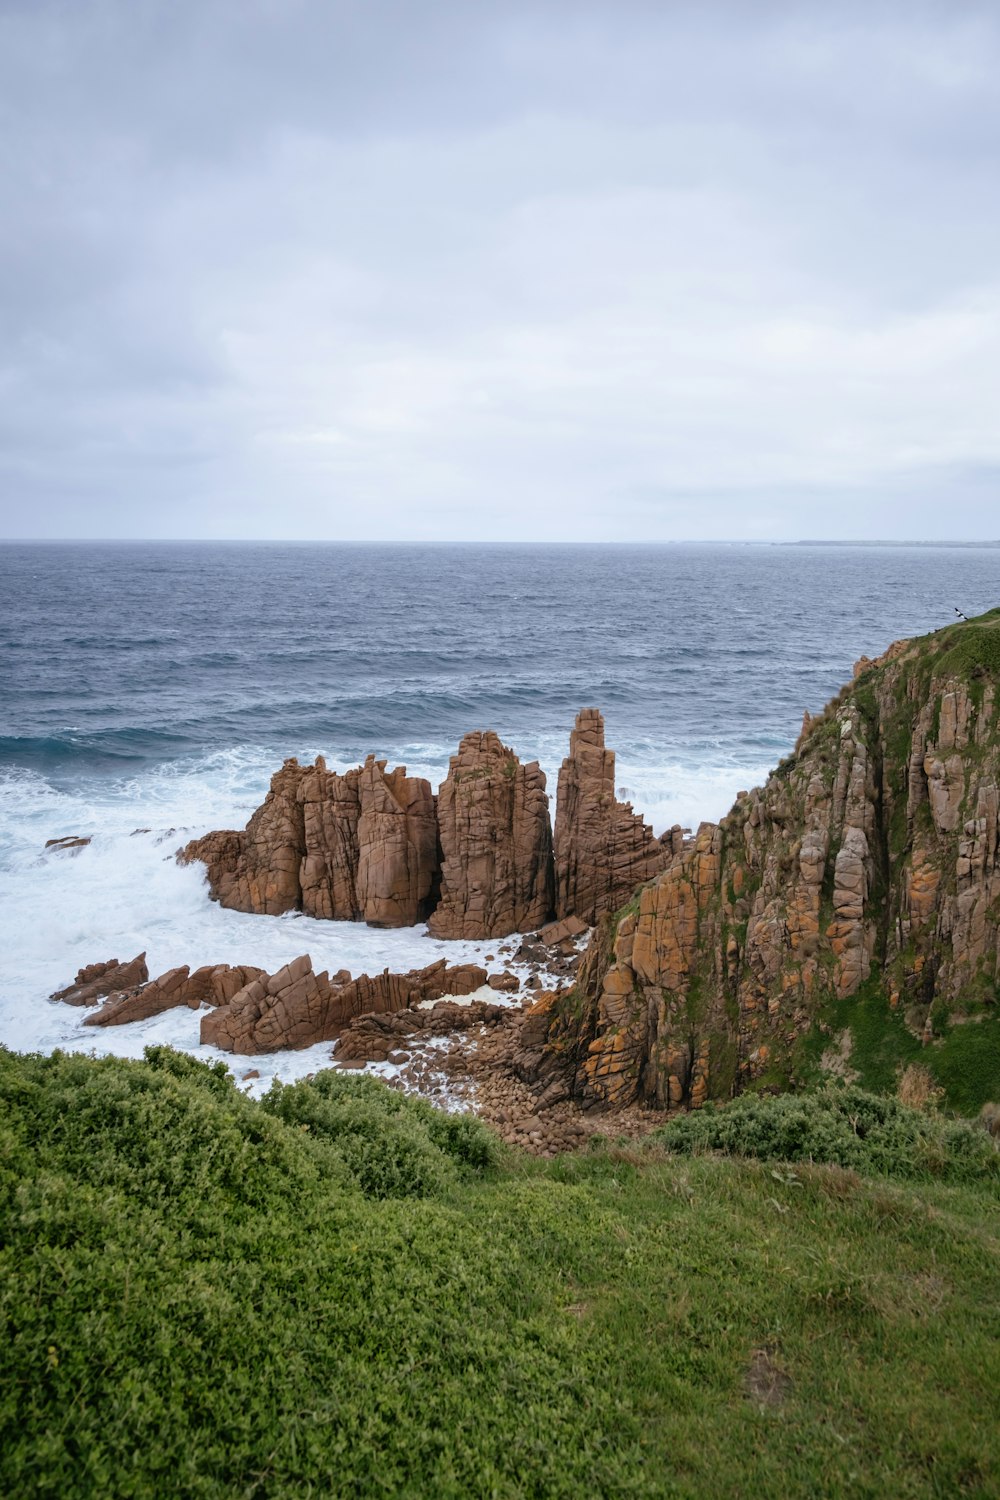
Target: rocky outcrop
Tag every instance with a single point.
(329, 853)
(211, 985)
(376, 1038)
(603, 850)
(496, 841)
(867, 866)
(296, 1008)
(95, 981)
(361, 846)
(477, 861)
(398, 847)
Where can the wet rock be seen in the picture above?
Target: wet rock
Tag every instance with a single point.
(70, 843)
(296, 1008)
(211, 985)
(95, 981)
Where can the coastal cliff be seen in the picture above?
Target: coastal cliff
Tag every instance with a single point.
(845, 916)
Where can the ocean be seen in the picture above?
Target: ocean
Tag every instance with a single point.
(149, 690)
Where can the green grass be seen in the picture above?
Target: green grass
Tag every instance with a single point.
(341, 1293)
(964, 1059)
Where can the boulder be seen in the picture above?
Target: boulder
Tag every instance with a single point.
(70, 843)
(376, 1038)
(214, 984)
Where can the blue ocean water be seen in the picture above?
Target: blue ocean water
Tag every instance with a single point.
(118, 657)
(155, 687)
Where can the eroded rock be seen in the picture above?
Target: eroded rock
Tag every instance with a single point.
(496, 840)
(296, 1008)
(870, 857)
(95, 981)
(603, 850)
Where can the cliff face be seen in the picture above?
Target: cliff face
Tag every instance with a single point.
(496, 837)
(866, 870)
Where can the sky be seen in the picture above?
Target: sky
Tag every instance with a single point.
(553, 271)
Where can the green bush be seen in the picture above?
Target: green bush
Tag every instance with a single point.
(197, 1300)
(842, 1126)
(392, 1146)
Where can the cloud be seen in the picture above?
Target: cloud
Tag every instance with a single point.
(551, 271)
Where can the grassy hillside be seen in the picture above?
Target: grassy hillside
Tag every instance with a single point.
(339, 1292)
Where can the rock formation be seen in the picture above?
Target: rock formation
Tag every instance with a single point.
(867, 866)
(603, 850)
(357, 846)
(211, 985)
(373, 1037)
(398, 847)
(97, 980)
(375, 845)
(295, 1007)
(70, 843)
(496, 840)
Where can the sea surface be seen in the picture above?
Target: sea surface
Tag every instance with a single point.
(149, 690)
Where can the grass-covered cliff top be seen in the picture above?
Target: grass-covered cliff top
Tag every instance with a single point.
(338, 1292)
(966, 649)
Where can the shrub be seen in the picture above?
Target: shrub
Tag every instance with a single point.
(843, 1126)
(393, 1147)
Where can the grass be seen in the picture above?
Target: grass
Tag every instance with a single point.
(964, 1059)
(339, 1293)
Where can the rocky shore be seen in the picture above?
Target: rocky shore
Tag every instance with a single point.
(865, 872)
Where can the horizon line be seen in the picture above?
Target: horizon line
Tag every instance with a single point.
(504, 542)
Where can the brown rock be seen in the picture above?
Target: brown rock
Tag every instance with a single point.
(69, 843)
(328, 867)
(375, 1037)
(97, 980)
(506, 984)
(872, 853)
(210, 985)
(398, 847)
(296, 1008)
(357, 846)
(603, 850)
(496, 839)
(258, 870)
(558, 932)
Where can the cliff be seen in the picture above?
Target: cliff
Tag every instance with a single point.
(846, 915)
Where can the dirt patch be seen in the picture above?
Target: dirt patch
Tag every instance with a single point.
(765, 1382)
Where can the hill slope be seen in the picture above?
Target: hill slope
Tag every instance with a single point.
(339, 1292)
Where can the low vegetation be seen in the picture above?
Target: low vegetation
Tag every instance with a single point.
(340, 1292)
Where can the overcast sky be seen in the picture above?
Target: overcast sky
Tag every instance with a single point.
(615, 270)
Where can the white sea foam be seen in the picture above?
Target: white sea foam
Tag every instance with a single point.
(124, 893)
